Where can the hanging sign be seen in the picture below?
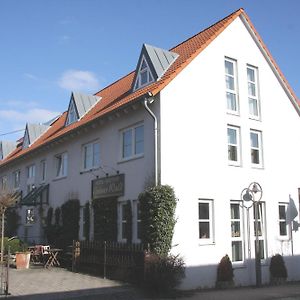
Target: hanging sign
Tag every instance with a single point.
(112, 186)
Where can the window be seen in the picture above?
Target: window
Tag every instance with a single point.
(233, 140)
(4, 183)
(72, 114)
(205, 216)
(256, 149)
(253, 99)
(61, 165)
(236, 232)
(43, 170)
(260, 208)
(123, 221)
(31, 171)
(136, 215)
(133, 142)
(29, 218)
(16, 179)
(231, 86)
(282, 207)
(91, 155)
(144, 75)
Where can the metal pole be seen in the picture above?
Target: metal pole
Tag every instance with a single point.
(257, 247)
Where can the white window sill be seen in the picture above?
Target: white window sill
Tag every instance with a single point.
(238, 265)
(258, 167)
(254, 118)
(123, 160)
(59, 178)
(283, 238)
(232, 164)
(233, 113)
(206, 243)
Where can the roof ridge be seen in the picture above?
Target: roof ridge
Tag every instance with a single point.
(237, 12)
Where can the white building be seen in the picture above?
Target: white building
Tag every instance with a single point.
(226, 117)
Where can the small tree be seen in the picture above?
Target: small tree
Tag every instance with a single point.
(158, 218)
(225, 272)
(277, 268)
(7, 199)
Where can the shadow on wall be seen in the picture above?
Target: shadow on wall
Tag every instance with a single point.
(205, 276)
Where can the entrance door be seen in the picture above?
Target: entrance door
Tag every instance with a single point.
(105, 219)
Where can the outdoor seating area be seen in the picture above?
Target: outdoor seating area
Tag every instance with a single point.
(44, 255)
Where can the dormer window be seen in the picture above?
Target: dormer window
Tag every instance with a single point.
(152, 64)
(144, 76)
(72, 114)
(79, 105)
(32, 133)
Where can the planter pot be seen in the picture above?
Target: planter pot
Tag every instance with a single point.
(22, 260)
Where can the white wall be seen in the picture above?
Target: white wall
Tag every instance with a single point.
(194, 153)
(138, 172)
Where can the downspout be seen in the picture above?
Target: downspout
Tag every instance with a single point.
(147, 101)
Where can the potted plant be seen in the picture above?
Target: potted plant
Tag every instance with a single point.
(278, 271)
(225, 273)
(22, 260)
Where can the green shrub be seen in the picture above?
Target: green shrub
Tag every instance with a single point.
(163, 273)
(225, 270)
(277, 267)
(157, 205)
(15, 245)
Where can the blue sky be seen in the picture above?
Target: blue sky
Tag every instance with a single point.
(49, 48)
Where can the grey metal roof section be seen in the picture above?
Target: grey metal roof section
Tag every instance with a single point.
(84, 102)
(161, 59)
(6, 147)
(50, 122)
(35, 131)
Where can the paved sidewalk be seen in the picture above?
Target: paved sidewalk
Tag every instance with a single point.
(57, 283)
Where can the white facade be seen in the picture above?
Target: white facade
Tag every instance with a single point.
(194, 118)
(194, 157)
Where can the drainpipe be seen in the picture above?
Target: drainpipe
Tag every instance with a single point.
(147, 101)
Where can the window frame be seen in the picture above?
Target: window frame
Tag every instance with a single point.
(150, 78)
(133, 144)
(237, 145)
(210, 220)
(72, 113)
(94, 165)
(241, 237)
(136, 221)
(259, 149)
(30, 171)
(16, 183)
(255, 98)
(262, 222)
(283, 220)
(64, 165)
(4, 182)
(235, 91)
(43, 170)
(122, 221)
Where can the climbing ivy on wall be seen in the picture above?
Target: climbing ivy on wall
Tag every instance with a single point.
(11, 222)
(105, 219)
(86, 221)
(70, 212)
(158, 206)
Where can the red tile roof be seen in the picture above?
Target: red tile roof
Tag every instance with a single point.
(120, 93)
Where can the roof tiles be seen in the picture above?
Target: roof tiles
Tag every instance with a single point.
(120, 92)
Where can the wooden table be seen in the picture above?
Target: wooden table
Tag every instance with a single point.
(52, 260)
